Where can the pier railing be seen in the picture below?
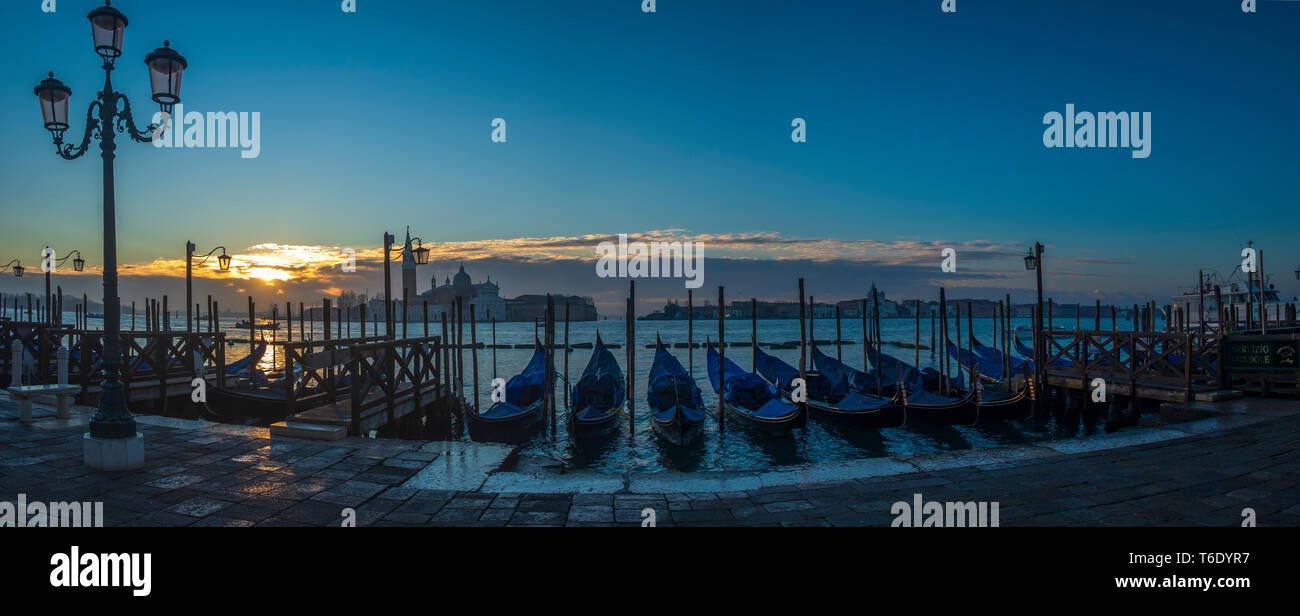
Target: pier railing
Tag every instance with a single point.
(149, 358)
(378, 381)
(1173, 360)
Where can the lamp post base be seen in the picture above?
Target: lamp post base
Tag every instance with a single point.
(113, 454)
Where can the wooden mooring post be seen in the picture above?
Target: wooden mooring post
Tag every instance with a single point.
(473, 347)
(690, 332)
(722, 362)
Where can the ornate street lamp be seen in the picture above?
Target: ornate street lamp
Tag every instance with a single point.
(107, 115)
(78, 264)
(223, 261)
(16, 267)
(419, 254)
(1034, 261)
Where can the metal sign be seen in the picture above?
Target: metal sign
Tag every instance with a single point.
(1262, 355)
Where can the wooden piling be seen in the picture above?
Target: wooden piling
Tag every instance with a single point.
(803, 338)
(494, 345)
(251, 322)
(690, 332)
(722, 349)
(945, 371)
(631, 351)
(567, 389)
(917, 344)
(839, 354)
(753, 332)
(473, 346)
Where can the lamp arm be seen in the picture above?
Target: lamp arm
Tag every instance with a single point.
(67, 256)
(209, 255)
(6, 266)
(68, 151)
(401, 252)
(126, 123)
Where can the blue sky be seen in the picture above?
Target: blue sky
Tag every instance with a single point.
(922, 127)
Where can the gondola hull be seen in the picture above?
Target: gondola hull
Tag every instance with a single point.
(509, 429)
(677, 429)
(995, 407)
(586, 431)
(962, 411)
(264, 403)
(891, 416)
(769, 425)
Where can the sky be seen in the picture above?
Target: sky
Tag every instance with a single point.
(924, 131)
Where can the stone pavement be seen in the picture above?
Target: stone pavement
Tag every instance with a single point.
(220, 475)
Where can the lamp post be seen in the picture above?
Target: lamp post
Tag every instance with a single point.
(421, 256)
(49, 264)
(1034, 261)
(223, 262)
(18, 268)
(108, 114)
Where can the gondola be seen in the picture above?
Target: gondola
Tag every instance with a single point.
(255, 327)
(994, 356)
(752, 401)
(521, 412)
(921, 394)
(989, 370)
(829, 397)
(251, 394)
(995, 405)
(675, 405)
(598, 397)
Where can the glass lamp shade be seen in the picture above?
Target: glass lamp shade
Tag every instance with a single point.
(54, 96)
(107, 25)
(1297, 273)
(1031, 261)
(421, 255)
(223, 262)
(18, 271)
(165, 68)
(78, 264)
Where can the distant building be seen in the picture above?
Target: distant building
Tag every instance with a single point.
(484, 298)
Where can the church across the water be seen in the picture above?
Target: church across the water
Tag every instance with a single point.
(484, 297)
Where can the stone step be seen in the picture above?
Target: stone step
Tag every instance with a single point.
(314, 431)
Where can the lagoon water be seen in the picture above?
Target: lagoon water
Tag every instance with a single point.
(733, 448)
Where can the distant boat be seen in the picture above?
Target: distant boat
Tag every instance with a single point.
(95, 315)
(262, 327)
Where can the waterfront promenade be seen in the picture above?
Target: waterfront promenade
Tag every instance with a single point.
(208, 474)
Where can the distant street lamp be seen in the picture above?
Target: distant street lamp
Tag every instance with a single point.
(78, 264)
(16, 267)
(223, 261)
(104, 119)
(1297, 273)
